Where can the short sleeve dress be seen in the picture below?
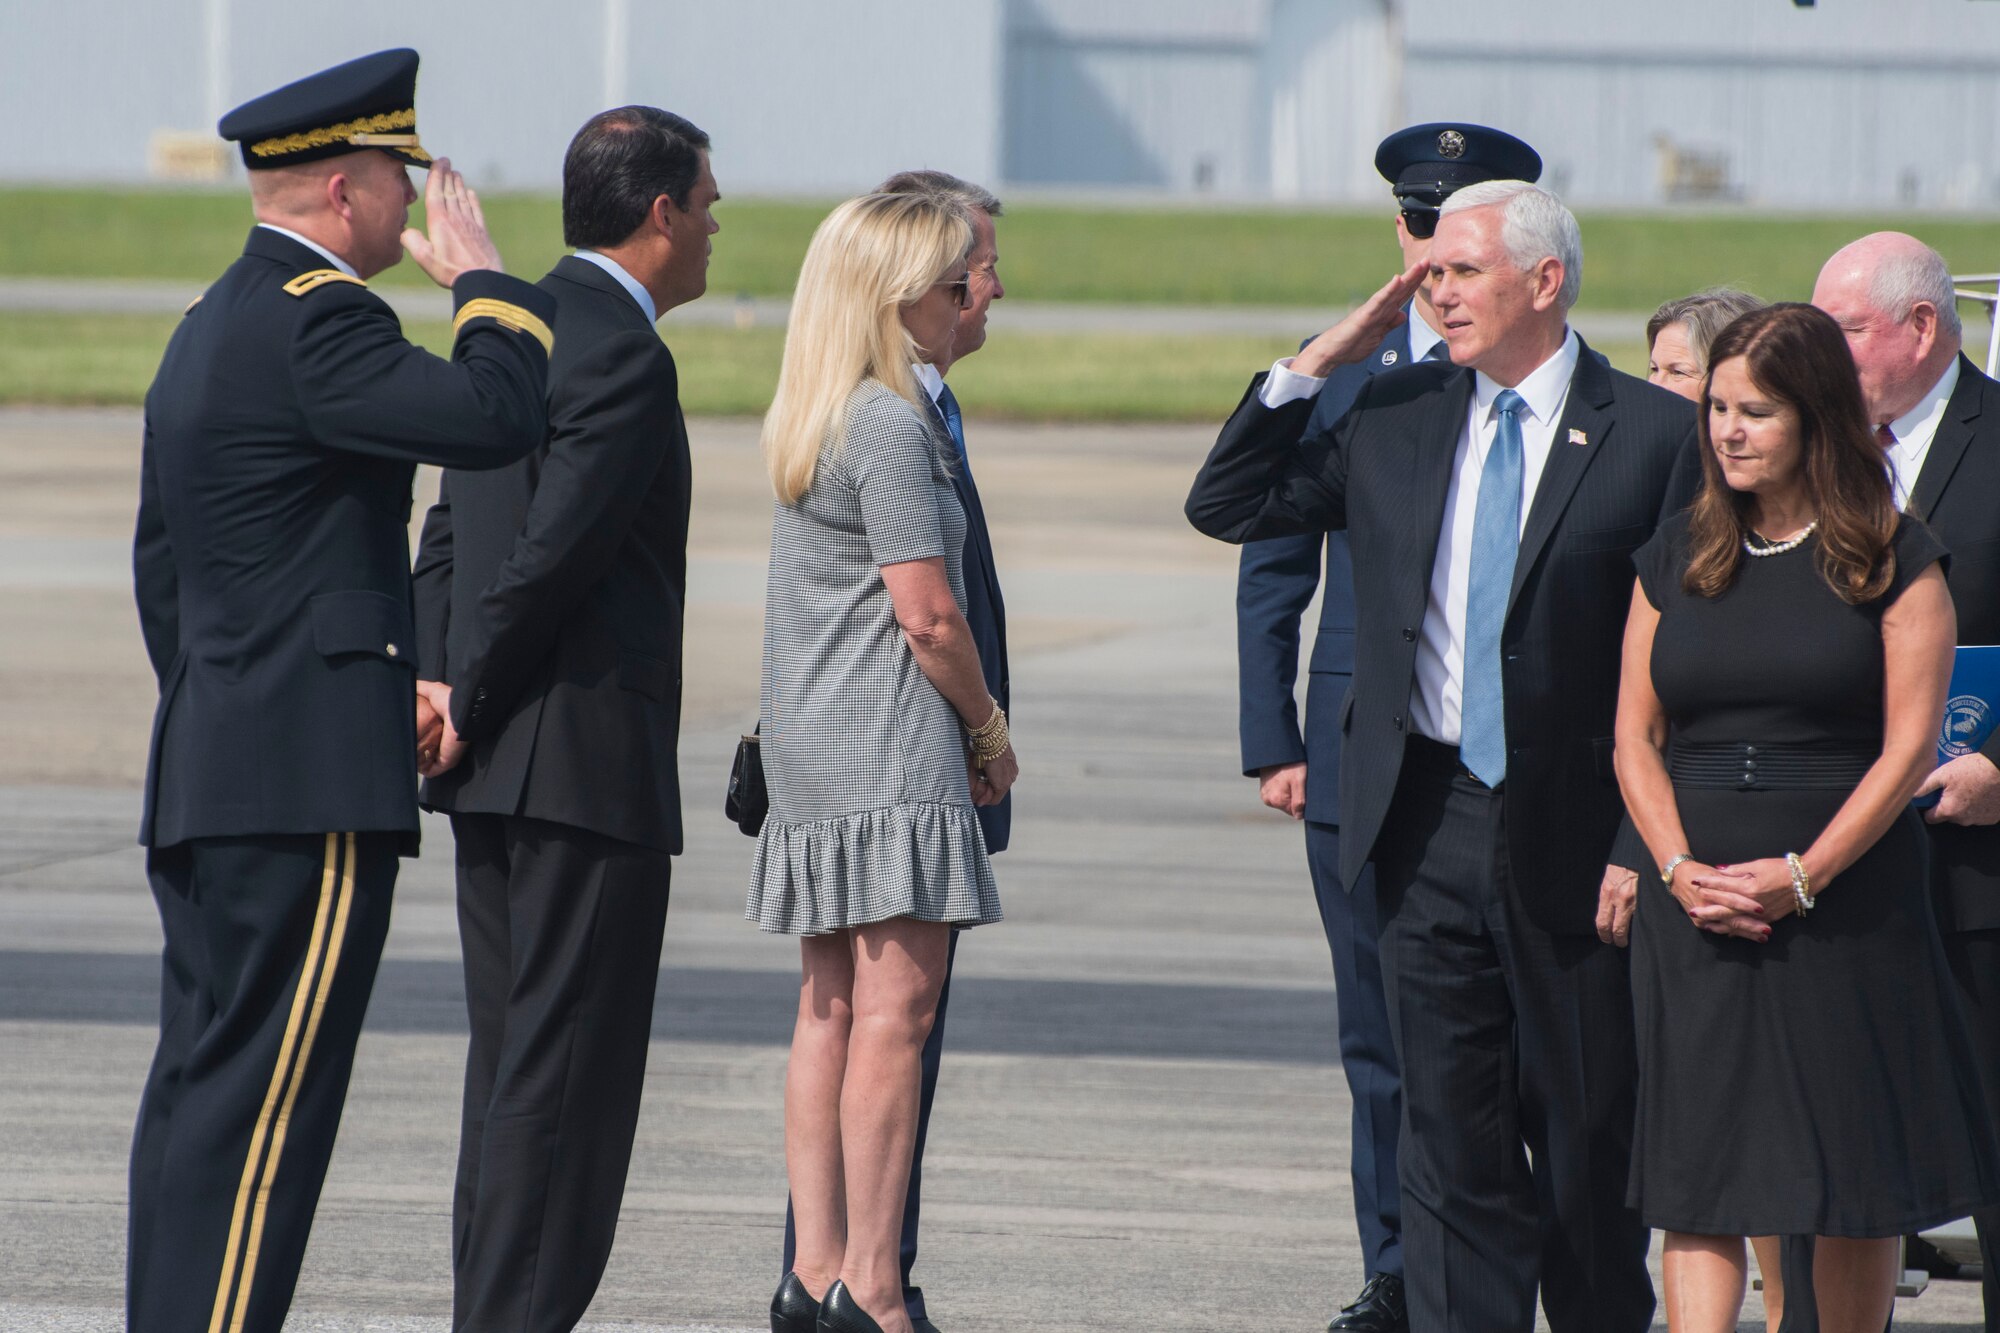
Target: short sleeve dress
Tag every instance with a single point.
(1820, 1083)
(871, 808)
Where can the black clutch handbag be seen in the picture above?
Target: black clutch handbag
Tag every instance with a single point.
(747, 802)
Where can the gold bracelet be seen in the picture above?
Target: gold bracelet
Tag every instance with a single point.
(994, 721)
(989, 740)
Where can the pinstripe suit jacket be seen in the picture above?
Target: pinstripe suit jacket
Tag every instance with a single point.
(1381, 473)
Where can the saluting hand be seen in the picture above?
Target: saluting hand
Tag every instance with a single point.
(1366, 325)
(458, 242)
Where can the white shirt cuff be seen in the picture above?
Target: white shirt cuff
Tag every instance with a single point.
(1285, 385)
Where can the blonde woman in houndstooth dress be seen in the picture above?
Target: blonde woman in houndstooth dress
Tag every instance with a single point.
(879, 736)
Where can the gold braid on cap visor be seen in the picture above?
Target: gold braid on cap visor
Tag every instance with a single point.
(341, 133)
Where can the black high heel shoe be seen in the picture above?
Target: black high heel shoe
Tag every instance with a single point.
(793, 1310)
(839, 1313)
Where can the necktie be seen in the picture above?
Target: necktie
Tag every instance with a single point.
(1496, 540)
(953, 422)
(1886, 437)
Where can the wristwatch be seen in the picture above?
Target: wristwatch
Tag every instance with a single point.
(1667, 870)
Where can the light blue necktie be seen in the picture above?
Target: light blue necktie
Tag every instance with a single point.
(1496, 541)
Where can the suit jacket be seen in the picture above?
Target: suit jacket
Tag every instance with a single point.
(1274, 584)
(1382, 474)
(550, 594)
(271, 560)
(1958, 494)
(986, 614)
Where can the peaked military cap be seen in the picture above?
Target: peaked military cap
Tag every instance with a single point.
(366, 103)
(1432, 161)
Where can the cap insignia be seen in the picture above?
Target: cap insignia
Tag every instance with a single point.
(1451, 145)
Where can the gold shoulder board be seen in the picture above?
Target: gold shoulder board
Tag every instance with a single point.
(316, 279)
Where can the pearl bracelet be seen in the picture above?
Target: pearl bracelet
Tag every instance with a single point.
(1801, 883)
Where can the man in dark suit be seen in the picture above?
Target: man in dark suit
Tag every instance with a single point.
(1492, 507)
(1938, 419)
(985, 613)
(550, 598)
(271, 565)
(1300, 775)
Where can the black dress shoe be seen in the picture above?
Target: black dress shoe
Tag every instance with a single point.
(793, 1310)
(1378, 1309)
(839, 1313)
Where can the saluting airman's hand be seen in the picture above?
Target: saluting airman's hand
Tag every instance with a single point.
(458, 242)
(1366, 325)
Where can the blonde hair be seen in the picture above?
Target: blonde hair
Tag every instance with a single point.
(870, 258)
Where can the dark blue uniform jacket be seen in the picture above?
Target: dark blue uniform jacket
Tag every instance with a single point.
(272, 562)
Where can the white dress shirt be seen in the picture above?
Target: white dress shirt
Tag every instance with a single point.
(927, 375)
(625, 280)
(1914, 431)
(314, 246)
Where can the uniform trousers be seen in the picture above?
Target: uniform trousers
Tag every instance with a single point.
(1367, 1049)
(1519, 1078)
(561, 930)
(933, 1056)
(271, 945)
(1974, 956)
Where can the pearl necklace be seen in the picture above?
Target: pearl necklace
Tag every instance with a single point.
(1791, 543)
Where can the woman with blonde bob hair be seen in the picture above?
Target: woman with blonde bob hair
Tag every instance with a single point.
(1803, 1065)
(879, 736)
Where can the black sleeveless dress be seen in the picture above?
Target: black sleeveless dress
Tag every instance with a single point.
(1821, 1083)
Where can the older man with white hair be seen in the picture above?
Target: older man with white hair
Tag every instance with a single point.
(1492, 505)
(1938, 419)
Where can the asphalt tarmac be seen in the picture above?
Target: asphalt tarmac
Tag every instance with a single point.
(1141, 1124)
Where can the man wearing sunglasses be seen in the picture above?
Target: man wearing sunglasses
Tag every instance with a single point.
(1299, 774)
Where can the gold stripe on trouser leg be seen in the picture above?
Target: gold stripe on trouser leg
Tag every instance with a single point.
(284, 1120)
(265, 1116)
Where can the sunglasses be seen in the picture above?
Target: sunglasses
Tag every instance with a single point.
(961, 290)
(1420, 220)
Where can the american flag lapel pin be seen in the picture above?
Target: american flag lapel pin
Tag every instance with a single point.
(1577, 437)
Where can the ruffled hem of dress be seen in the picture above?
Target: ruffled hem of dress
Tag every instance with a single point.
(919, 859)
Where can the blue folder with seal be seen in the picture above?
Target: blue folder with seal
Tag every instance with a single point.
(1971, 708)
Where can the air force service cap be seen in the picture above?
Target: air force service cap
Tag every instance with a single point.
(1425, 164)
(365, 103)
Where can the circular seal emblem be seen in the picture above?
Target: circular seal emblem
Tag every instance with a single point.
(1967, 718)
(1451, 144)
(1389, 357)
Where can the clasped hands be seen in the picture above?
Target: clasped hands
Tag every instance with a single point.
(438, 747)
(1740, 900)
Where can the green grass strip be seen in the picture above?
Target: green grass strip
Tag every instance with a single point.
(1049, 252)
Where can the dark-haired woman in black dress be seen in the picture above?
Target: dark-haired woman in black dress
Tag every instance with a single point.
(1803, 1066)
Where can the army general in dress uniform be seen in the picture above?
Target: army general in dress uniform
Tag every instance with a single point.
(272, 572)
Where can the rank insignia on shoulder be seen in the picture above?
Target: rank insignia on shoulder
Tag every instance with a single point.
(317, 278)
(1389, 357)
(1577, 437)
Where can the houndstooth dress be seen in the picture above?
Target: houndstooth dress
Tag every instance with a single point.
(871, 810)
